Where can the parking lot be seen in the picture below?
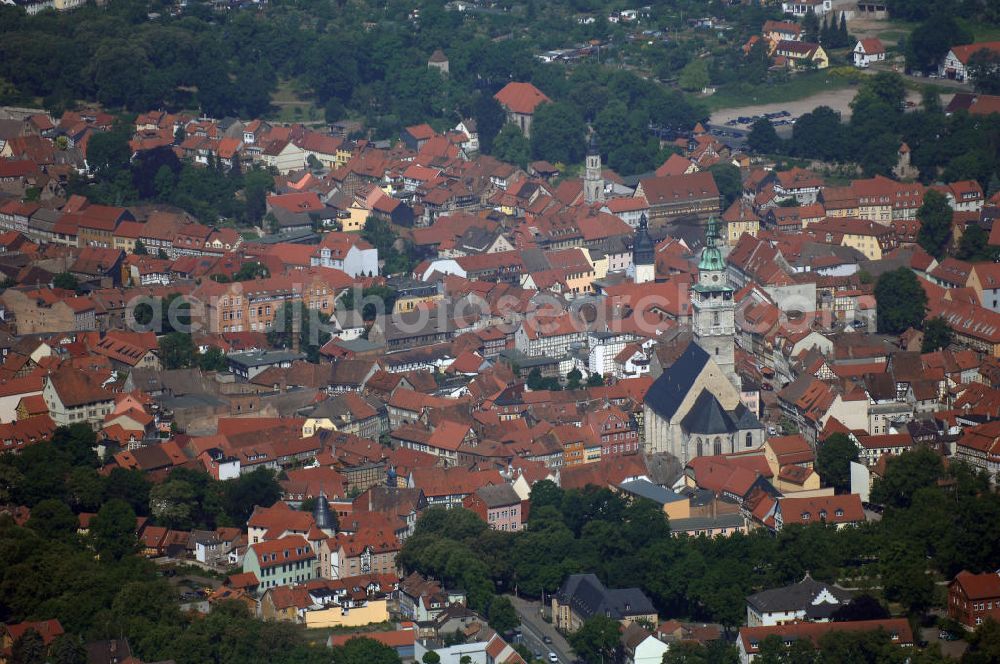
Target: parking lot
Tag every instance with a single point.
(784, 114)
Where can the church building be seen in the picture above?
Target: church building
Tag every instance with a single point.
(693, 409)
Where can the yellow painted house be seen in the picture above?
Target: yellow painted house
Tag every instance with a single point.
(740, 218)
(800, 54)
(790, 459)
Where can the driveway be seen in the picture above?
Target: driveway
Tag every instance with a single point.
(534, 630)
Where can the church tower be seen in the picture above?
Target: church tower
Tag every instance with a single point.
(643, 254)
(714, 307)
(593, 181)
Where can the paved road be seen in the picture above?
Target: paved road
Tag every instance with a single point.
(534, 629)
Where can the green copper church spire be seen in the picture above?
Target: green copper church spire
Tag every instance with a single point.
(711, 255)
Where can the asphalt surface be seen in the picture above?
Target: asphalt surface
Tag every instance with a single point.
(534, 629)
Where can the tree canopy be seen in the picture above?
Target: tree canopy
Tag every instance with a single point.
(901, 300)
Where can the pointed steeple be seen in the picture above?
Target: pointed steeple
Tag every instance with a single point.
(711, 255)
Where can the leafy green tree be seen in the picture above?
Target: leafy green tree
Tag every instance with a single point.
(502, 616)
(984, 644)
(77, 441)
(140, 249)
(861, 607)
(558, 133)
(730, 183)
(511, 146)
(170, 504)
(901, 301)
(29, 648)
(108, 153)
(819, 134)
(935, 223)
(67, 649)
(597, 639)
(177, 351)
(360, 650)
(595, 380)
(974, 245)
(694, 76)
(213, 359)
(833, 461)
(573, 379)
(84, 489)
(810, 27)
(490, 119)
(937, 335)
(242, 494)
(692, 652)
(763, 138)
(66, 281)
(112, 530)
(905, 579)
(130, 486)
(313, 329)
(251, 270)
(904, 475)
(431, 657)
(929, 42)
(53, 519)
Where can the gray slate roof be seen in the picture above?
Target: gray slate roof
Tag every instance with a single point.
(801, 596)
(587, 597)
(648, 490)
(707, 416)
(668, 391)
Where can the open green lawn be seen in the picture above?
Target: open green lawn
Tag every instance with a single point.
(981, 31)
(292, 104)
(799, 86)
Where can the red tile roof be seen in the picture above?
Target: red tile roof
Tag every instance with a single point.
(521, 98)
(979, 586)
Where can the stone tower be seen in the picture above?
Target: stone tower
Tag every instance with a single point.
(593, 181)
(714, 315)
(643, 254)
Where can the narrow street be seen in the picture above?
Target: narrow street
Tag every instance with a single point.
(535, 629)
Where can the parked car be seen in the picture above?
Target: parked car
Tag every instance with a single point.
(554, 658)
(546, 639)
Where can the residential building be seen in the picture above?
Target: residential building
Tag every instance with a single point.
(583, 596)
(956, 61)
(974, 598)
(74, 397)
(678, 195)
(498, 505)
(867, 51)
(280, 562)
(807, 600)
(750, 638)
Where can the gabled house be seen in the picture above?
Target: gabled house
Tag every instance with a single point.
(867, 51)
(808, 599)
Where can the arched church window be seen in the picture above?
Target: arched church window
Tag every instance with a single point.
(749, 439)
(717, 446)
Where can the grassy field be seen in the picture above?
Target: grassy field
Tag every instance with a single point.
(292, 104)
(981, 31)
(799, 86)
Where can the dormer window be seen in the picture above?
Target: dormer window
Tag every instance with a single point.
(805, 516)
